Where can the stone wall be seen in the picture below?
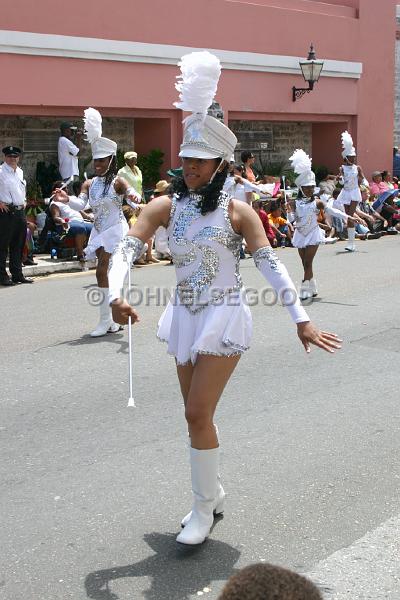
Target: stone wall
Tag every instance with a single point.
(11, 133)
(273, 142)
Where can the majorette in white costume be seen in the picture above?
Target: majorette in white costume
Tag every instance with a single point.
(350, 195)
(105, 193)
(204, 333)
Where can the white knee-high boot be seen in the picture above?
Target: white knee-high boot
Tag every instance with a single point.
(351, 234)
(204, 469)
(220, 497)
(106, 323)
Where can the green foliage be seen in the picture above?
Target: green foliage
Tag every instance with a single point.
(46, 175)
(83, 164)
(34, 191)
(120, 158)
(150, 165)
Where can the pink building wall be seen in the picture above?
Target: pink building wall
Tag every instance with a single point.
(343, 30)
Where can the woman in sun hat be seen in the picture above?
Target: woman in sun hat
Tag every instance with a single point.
(131, 172)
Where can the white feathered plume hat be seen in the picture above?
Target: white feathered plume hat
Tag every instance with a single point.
(101, 146)
(301, 165)
(347, 143)
(204, 136)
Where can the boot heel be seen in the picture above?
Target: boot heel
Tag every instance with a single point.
(219, 509)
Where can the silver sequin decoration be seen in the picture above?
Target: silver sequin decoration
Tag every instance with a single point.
(190, 289)
(266, 253)
(101, 205)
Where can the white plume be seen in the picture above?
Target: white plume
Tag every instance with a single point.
(92, 123)
(198, 81)
(347, 143)
(301, 162)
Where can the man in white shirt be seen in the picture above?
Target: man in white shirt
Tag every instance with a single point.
(12, 217)
(68, 150)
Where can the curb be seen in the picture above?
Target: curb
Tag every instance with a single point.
(49, 266)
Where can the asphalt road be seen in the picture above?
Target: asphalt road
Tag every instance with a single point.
(92, 492)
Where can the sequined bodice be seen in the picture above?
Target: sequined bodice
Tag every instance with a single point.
(205, 251)
(107, 210)
(350, 177)
(306, 216)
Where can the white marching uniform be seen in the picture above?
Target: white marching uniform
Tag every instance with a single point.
(209, 314)
(351, 190)
(110, 225)
(307, 232)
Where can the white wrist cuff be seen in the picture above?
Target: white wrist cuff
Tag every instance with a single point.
(268, 263)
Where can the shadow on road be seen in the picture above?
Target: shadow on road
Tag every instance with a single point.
(87, 340)
(176, 571)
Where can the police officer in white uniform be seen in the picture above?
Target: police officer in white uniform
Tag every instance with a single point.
(12, 217)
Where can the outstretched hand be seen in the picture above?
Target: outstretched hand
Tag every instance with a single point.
(309, 334)
(121, 311)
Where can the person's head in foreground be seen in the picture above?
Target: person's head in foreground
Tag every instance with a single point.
(267, 582)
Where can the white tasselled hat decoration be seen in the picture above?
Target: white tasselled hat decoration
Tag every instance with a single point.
(101, 146)
(204, 136)
(301, 165)
(347, 143)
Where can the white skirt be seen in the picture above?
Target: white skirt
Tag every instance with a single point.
(314, 238)
(346, 197)
(220, 330)
(108, 239)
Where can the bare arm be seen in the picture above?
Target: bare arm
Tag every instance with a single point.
(151, 217)
(56, 214)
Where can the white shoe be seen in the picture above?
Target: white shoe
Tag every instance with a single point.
(219, 504)
(350, 248)
(204, 469)
(331, 240)
(313, 287)
(305, 290)
(105, 316)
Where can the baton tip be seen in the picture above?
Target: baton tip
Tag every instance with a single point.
(131, 402)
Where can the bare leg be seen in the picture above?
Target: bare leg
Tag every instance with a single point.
(80, 244)
(103, 258)
(309, 253)
(202, 400)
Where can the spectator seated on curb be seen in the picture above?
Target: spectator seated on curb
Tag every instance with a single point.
(386, 207)
(327, 183)
(70, 222)
(248, 159)
(375, 222)
(161, 235)
(269, 232)
(283, 229)
(267, 582)
(271, 186)
(377, 185)
(388, 179)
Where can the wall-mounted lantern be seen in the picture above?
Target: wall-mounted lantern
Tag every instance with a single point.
(311, 70)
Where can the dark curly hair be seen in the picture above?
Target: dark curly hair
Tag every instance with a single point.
(267, 582)
(210, 193)
(110, 175)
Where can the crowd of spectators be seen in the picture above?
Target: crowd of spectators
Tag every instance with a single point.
(377, 214)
